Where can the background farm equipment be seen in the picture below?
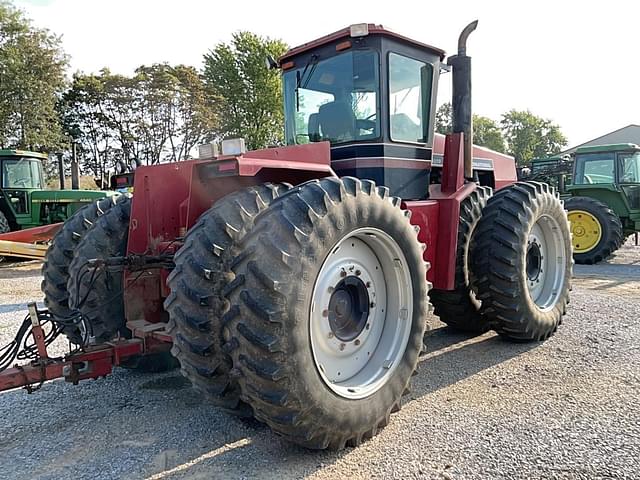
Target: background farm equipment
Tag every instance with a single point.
(601, 189)
(24, 203)
(294, 283)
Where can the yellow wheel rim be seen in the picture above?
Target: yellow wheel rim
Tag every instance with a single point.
(586, 230)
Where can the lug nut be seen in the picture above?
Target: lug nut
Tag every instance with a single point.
(372, 304)
(341, 346)
(325, 313)
(368, 284)
(330, 335)
(357, 342)
(358, 272)
(343, 273)
(331, 289)
(367, 326)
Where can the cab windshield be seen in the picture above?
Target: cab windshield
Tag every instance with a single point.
(336, 99)
(21, 173)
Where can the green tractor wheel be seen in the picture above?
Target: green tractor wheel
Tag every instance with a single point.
(596, 230)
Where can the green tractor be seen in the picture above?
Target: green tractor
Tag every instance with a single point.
(601, 189)
(24, 203)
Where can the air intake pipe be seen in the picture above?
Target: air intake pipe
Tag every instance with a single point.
(462, 117)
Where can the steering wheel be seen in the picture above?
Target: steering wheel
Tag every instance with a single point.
(588, 179)
(24, 181)
(366, 123)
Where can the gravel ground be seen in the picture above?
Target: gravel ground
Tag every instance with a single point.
(479, 408)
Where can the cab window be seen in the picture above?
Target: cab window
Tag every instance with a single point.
(334, 99)
(409, 98)
(629, 165)
(20, 173)
(595, 168)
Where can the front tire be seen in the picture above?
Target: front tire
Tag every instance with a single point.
(196, 303)
(521, 261)
(328, 312)
(596, 230)
(4, 224)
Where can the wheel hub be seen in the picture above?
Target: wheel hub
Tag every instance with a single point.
(585, 229)
(361, 313)
(349, 308)
(534, 261)
(545, 262)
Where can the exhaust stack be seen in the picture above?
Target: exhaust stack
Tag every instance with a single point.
(461, 97)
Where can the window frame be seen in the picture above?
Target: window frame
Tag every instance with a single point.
(426, 113)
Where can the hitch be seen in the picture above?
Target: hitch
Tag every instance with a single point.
(93, 361)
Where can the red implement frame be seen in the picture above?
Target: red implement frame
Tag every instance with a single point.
(32, 235)
(93, 362)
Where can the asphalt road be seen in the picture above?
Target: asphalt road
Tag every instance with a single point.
(479, 408)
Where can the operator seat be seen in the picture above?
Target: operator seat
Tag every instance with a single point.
(313, 128)
(337, 121)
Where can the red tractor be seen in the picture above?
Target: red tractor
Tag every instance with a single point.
(294, 283)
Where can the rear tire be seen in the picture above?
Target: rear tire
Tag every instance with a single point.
(55, 269)
(289, 368)
(459, 308)
(521, 261)
(196, 303)
(586, 214)
(102, 301)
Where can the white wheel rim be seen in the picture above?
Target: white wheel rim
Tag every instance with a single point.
(545, 262)
(362, 361)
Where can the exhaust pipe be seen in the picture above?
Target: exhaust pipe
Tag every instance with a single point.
(462, 116)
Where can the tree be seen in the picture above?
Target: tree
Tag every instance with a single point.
(486, 132)
(246, 95)
(529, 136)
(193, 118)
(444, 122)
(32, 77)
(159, 114)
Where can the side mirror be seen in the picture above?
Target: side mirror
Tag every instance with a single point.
(270, 63)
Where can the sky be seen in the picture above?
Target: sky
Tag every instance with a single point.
(574, 62)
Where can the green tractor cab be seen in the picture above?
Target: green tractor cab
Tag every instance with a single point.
(601, 189)
(24, 203)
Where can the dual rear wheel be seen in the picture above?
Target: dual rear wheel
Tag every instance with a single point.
(306, 306)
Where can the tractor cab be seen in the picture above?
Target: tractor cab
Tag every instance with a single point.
(371, 93)
(20, 173)
(613, 167)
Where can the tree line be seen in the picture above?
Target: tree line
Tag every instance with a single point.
(519, 133)
(161, 111)
(157, 114)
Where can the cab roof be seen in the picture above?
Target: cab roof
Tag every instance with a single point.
(613, 147)
(23, 153)
(345, 33)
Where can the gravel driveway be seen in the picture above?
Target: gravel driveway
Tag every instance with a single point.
(479, 408)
